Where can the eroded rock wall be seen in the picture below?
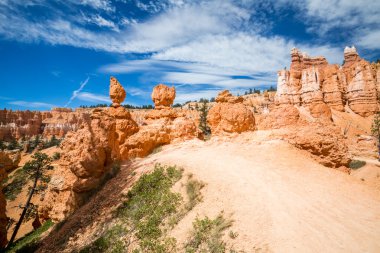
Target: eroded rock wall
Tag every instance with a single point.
(311, 80)
(58, 121)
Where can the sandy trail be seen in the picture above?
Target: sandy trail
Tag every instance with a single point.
(280, 198)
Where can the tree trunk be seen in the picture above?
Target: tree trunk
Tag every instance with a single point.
(24, 211)
(378, 148)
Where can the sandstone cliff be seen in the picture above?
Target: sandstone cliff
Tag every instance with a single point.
(311, 80)
(58, 121)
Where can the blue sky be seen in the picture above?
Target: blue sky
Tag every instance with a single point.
(62, 53)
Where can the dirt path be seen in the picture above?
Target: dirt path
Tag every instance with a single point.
(281, 199)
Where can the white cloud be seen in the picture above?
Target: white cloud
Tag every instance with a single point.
(101, 22)
(370, 39)
(137, 92)
(191, 78)
(32, 104)
(91, 97)
(202, 42)
(76, 92)
(183, 96)
(358, 19)
(97, 4)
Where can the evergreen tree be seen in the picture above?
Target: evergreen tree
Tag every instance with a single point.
(203, 111)
(36, 170)
(2, 145)
(54, 141)
(36, 141)
(13, 145)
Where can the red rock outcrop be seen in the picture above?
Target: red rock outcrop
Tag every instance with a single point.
(9, 160)
(311, 80)
(324, 142)
(281, 116)
(160, 126)
(361, 83)
(63, 120)
(261, 103)
(163, 96)
(320, 111)
(58, 121)
(230, 115)
(17, 124)
(106, 136)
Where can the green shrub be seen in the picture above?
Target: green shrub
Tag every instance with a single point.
(157, 150)
(207, 235)
(142, 217)
(56, 156)
(356, 164)
(13, 188)
(29, 243)
(193, 190)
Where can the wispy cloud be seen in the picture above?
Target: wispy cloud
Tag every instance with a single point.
(184, 95)
(101, 22)
(137, 92)
(32, 104)
(105, 5)
(76, 92)
(56, 73)
(91, 97)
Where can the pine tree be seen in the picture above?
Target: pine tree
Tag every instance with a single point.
(36, 141)
(13, 145)
(2, 145)
(36, 169)
(203, 111)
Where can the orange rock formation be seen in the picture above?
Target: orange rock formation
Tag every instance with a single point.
(230, 115)
(311, 80)
(117, 92)
(163, 96)
(106, 136)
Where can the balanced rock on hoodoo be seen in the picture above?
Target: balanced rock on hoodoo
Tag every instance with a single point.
(160, 126)
(117, 92)
(163, 96)
(230, 115)
(88, 155)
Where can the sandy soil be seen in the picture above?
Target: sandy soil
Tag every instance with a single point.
(281, 200)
